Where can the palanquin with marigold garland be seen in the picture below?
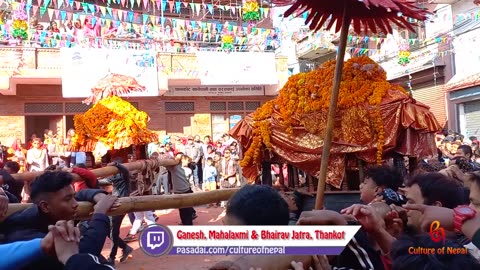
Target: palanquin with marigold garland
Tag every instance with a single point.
(375, 122)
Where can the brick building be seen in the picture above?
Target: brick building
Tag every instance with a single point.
(31, 97)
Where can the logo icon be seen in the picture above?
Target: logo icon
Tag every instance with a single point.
(156, 240)
(437, 233)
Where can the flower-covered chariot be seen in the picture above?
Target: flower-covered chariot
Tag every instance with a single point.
(112, 125)
(375, 121)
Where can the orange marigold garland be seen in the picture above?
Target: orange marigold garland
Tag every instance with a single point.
(363, 81)
(261, 134)
(114, 122)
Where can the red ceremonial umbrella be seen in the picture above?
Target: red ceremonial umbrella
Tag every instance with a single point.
(373, 15)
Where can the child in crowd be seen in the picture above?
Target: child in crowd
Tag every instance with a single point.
(210, 177)
(188, 171)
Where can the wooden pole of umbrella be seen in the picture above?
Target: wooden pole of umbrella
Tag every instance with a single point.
(134, 204)
(328, 138)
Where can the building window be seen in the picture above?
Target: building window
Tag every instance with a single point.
(252, 105)
(76, 107)
(225, 115)
(44, 108)
(235, 106)
(219, 125)
(179, 106)
(218, 106)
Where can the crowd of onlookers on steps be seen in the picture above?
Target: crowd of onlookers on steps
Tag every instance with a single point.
(395, 214)
(93, 32)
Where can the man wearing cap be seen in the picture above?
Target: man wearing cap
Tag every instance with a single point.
(194, 153)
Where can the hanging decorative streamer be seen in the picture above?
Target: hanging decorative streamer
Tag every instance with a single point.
(404, 54)
(20, 25)
(251, 12)
(409, 82)
(227, 42)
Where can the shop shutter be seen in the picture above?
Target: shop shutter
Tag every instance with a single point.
(433, 97)
(472, 118)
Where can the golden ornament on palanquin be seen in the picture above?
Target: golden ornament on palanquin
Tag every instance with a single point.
(364, 84)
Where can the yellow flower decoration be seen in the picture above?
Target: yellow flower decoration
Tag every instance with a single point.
(114, 122)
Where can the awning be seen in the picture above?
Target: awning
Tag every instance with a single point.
(462, 81)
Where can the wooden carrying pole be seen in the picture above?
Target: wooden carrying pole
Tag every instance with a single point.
(146, 203)
(101, 172)
(134, 204)
(328, 138)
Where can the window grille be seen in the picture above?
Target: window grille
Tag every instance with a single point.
(235, 106)
(252, 105)
(44, 108)
(218, 106)
(179, 106)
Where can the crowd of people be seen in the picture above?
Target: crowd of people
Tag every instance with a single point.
(189, 39)
(396, 211)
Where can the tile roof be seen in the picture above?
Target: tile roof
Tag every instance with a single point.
(464, 82)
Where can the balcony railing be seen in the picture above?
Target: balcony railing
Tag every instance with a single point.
(312, 42)
(420, 57)
(46, 39)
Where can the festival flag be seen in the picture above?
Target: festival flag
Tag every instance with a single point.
(34, 10)
(39, 3)
(57, 13)
(118, 13)
(139, 3)
(132, 3)
(54, 3)
(77, 5)
(122, 2)
(153, 20)
(198, 8)
(185, 4)
(171, 6)
(145, 4)
(92, 8)
(164, 5)
(192, 6)
(266, 12)
(46, 3)
(233, 10)
(129, 17)
(210, 8)
(178, 7)
(50, 14)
